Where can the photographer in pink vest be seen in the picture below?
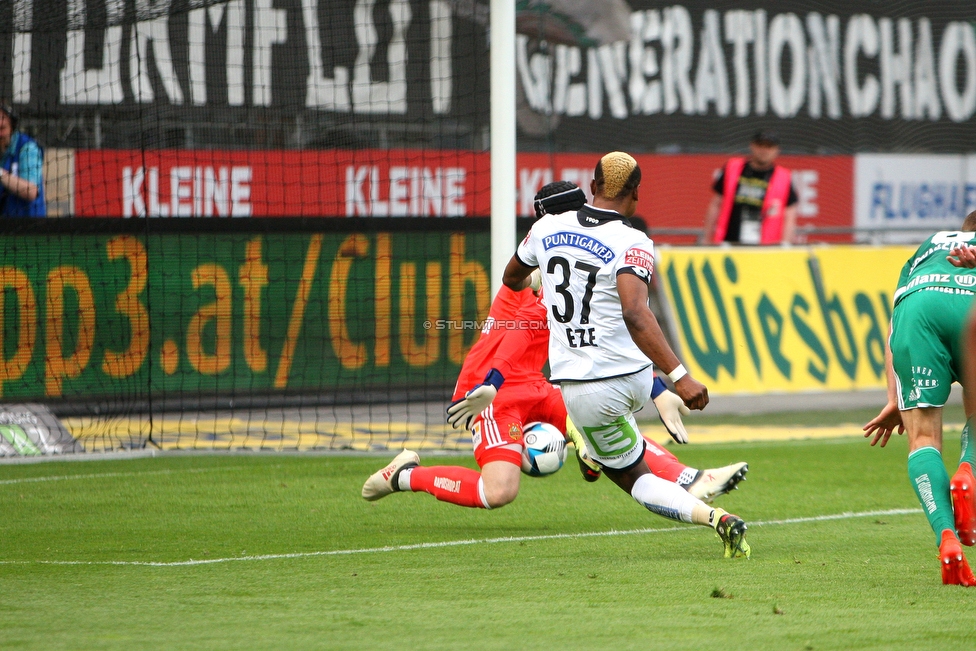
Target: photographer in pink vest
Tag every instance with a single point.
(754, 202)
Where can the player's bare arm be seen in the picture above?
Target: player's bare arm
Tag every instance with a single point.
(647, 334)
(884, 424)
(516, 275)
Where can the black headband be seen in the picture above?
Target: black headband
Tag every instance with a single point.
(560, 202)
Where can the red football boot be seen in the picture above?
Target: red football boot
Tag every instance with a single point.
(963, 489)
(955, 569)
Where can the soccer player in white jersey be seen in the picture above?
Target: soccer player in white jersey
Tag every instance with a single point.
(604, 340)
(562, 196)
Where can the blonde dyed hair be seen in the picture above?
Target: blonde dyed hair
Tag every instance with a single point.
(616, 174)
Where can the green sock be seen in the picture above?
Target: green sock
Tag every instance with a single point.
(930, 480)
(968, 445)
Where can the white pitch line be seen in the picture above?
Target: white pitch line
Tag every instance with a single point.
(28, 480)
(458, 543)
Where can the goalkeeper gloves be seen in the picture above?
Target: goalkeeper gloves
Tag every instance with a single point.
(670, 408)
(535, 281)
(474, 401)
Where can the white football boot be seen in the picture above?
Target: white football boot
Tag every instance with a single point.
(383, 482)
(713, 482)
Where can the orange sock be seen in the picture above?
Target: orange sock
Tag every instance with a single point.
(454, 484)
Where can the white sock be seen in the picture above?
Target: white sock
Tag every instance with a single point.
(481, 493)
(664, 498)
(403, 479)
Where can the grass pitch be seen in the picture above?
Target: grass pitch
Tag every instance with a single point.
(280, 552)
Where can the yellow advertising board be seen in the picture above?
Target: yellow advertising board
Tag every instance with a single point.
(782, 320)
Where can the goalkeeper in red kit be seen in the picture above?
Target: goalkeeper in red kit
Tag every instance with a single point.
(500, 389)
(506, 360)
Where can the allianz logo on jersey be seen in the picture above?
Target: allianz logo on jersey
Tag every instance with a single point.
(962, 280)
(928, 278)
(579, 241)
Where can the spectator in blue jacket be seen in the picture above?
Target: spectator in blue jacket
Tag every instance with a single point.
(21, 182)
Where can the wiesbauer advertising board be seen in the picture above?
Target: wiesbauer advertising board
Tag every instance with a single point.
(782, 320)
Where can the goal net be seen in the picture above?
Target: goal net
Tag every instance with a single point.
(341, 151)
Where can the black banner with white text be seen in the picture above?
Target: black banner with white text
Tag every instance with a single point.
(832, 77)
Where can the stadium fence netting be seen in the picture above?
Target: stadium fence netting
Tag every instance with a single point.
(352, 138)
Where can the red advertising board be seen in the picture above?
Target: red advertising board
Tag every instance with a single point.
(411, 183)
(331, 183)
(676, 189)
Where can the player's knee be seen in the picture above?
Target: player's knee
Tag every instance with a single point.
(498, 495)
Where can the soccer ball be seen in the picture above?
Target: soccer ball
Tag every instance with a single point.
(545, 449)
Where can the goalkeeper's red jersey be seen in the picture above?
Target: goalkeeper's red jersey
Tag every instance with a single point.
(514, 340)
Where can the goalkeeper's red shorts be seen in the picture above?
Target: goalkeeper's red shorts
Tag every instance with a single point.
(496, 433)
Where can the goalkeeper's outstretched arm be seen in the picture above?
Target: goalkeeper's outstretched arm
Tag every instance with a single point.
(517, 275)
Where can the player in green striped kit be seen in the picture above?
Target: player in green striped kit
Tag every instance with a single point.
(935, 294)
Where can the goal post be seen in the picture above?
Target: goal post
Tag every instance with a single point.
(503, 138)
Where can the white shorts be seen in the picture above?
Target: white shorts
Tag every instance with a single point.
(603, 411)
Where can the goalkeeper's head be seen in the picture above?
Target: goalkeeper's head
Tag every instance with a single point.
(558, 197)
